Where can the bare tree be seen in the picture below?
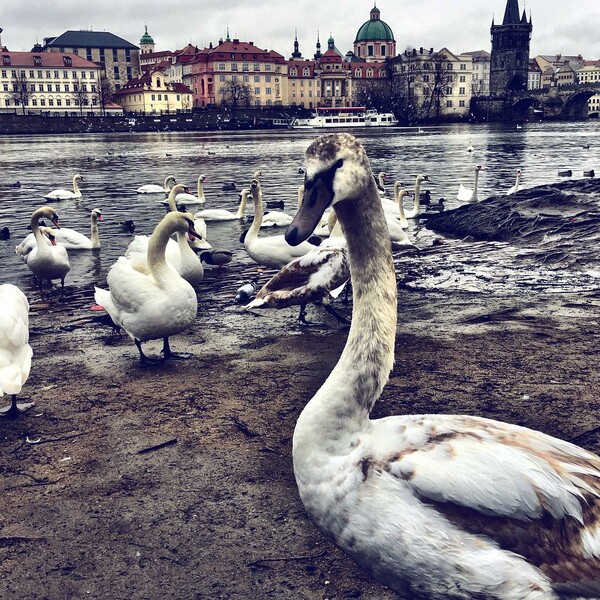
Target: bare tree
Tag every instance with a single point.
(80, 94)
(235, 94)
(420, 83)
(373, 93)
(104, 92)
(21, 90)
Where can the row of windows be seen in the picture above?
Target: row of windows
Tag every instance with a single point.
(246, 67)
(371, 50)
(50, 88)
(48, 74)
(102, 52)
(50, 102)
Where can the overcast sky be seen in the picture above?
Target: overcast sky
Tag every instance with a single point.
(460, 25)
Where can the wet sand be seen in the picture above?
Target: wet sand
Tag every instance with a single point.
(175, 480)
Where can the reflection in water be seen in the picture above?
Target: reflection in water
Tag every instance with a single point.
(115, 165)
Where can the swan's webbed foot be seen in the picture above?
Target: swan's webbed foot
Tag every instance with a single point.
(304, 321)
(169, 355)
(340, 319)
(146, 360)
(15, 408)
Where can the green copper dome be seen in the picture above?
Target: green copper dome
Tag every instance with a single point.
(146, 38)
(374, 29)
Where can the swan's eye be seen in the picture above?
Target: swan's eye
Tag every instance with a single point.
(339, 164)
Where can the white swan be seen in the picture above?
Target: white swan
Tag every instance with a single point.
(47, 262)
(276, 218)
(152, 188)
(74, 240)
(178, 254)
(416, 209)
(23, 250)
(467, 195)
(316, 278)
(155, 304)
(515, 188)
(271, 251)
(222, 214)
(434, 506)
(381, 177)
(15, 351)
(189, 199)
(62, 194)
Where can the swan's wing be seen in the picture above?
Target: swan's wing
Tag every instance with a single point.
(70, 237)
(138, 244)
(130, 286)
(533, 494)
(305, 279)
(464, 193)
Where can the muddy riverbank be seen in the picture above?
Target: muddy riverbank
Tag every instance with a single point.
(175, 481)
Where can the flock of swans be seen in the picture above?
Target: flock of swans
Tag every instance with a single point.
(434, 506)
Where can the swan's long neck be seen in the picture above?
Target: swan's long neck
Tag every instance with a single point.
(416, 209)
(75, 185)
(476, 180)
(94, 237)
(200, 188)
(340, 409)
(258, 214)
(399, 195)
(37, 233)
(155, 256)
(242, 207)
(517, 182)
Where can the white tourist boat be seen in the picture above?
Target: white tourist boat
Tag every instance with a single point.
(351, 116)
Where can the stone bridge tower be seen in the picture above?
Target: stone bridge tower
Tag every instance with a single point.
(509, 63)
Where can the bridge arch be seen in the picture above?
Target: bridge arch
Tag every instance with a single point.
(521, 107)
(576, 105)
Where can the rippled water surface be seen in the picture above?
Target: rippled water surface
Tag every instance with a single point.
(114, 165)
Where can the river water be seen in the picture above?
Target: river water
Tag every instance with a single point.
(115, 165)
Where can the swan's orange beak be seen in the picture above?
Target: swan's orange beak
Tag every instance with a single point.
(53, 241)
(100, 218)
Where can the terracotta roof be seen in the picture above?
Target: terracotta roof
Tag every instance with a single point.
(47, 59)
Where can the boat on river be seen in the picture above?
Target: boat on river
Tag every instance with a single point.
(351, 116)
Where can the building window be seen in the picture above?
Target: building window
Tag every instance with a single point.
(461, 91)
(221, 66)
(42, 102)
(51, 102)
(49, 87)
(116, 73)
(256, 78)
(268, 91)
(76, 51)
(461, 103)
(68, 102)
(48, 75)
(256, 67)
(32, 74)
(463, 67)
(306, 72)
(5, 59)
(449, 103)
(268, 78)
(222, 78)
(234, 67)
(4, 73)
(127, 55)
(115, 54)
(34, 102)
(246, 78)
(153, 97)
(257, 90)
(369, 50)
(66, 86)
(382, 50)
(88, 53)
(68, 61)
(65, 74)
(245, 67)
(462, 78)
(57, 87)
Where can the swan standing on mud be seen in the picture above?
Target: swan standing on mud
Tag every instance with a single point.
(178, 254)
(15, 351)
(434, 506)
(152, 301)
(46, 261)
(62, 194)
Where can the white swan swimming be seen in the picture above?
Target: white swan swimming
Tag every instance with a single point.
(189, 199)
(316, 277)
(152, 188)
(399, 195)
(515, 188)
(62, 194)
(467, 195)
(47, 262)
(178, 253)
(156, 303)
(74, 240)
(275, 218)
(222, 214)
(271, 251)
(15, 351)
(415, 211)
(434, 506)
